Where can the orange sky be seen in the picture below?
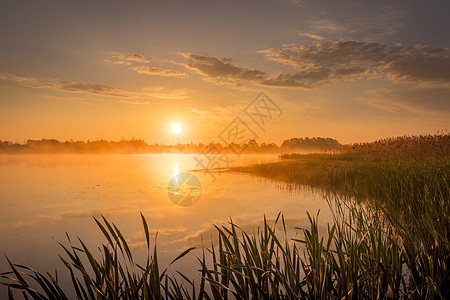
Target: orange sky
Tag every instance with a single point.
(114, 69)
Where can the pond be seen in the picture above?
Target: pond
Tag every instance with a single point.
(44, 196)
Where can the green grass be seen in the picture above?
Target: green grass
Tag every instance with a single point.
(407, 188)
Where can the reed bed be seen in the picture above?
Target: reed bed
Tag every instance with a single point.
(402, 147)
(410, 147)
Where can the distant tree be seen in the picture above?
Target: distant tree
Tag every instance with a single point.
(315, 143)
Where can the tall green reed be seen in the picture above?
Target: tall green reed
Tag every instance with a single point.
(113, 276)
(363, 254)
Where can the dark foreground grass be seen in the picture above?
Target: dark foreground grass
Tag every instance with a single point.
(363, 255)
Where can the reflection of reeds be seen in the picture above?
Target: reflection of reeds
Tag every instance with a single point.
(365, 254)
(114, 276)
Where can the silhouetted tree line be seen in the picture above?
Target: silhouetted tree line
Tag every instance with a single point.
(315, 143)
(140, 146)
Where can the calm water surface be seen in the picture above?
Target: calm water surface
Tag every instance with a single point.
(44, 196)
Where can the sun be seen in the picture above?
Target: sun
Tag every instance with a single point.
(176, 127)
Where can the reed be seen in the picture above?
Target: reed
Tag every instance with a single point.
(364, 254)
(115, 275)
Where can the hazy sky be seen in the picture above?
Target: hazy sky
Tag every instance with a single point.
(351, 70)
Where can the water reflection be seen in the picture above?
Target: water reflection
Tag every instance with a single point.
(42, 197)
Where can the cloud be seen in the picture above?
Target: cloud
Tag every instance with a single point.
(70, 99)
(165, 93)
(415, 100)
(298, 2)
(357, 20)
(97, 89)
(378, 26)
(329, 62)
(222, 70)
(311, 36)
(135, 102)
(126, 58)
(92, 88)
(327, 26)
(156, 71)
(217, 113)
(140, 64)
(24, 80)
(347, 60)
(69, 86)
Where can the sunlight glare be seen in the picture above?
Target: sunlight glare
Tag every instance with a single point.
(176, 127)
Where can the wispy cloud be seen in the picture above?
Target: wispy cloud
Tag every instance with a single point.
(311, 36)
(140, 64)
(416, 100)
(69, 99)
(135, 102)
(126, 58)
(357, 20)
(377, 26)
(216, 113)
(156, 71)
(298, 2)
(97, 89)
(69, 86)
(327, 26)
(165, 93)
